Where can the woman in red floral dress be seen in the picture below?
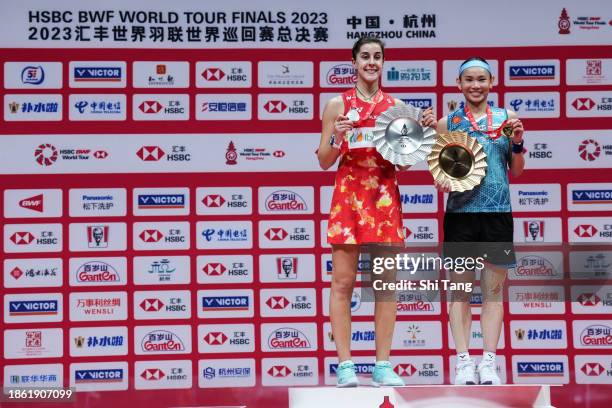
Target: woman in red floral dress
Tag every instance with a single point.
(365, 208)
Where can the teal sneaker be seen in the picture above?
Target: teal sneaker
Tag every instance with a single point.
(384, 376)
(346, 375)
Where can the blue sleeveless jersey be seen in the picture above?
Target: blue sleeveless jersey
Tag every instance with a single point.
(493, 193)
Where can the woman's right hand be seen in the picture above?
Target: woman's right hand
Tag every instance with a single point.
(342, 124)
(444, 187)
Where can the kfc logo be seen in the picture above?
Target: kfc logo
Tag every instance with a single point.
(279, 371)
(592, 369)
(214, 269)
(213, 201)
(152, 374)
(151, 305)
(286, 267)
(276, 234)
(97, 236)
(150, 107)
(213, 74)
(150, 153)
(585, 231)
(583, 104)
(215, 338)
(533, 231)
(275, 106)
(277, 302)
(151, 235)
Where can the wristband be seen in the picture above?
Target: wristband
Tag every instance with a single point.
(517, 147)
(332, 142)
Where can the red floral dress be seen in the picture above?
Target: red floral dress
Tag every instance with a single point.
(365, 206)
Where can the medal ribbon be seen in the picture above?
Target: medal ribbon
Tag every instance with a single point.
(375, 100)
(493, 134)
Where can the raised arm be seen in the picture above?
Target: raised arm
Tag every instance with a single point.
(517, 162)
(327, 154)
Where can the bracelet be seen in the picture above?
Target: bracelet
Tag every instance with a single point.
(332, 142)
(517, 147)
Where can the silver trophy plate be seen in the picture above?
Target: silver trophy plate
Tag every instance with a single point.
(400, 139)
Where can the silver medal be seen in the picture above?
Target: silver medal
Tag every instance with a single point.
(353, 115)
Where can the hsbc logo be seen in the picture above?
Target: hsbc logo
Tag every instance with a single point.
(277, 302)
(583, 104)
(150, 153)
(215, 338)
(592, 369)
(213, 200)
(150, 107)
(405, 370)
(585, 231)
(275, 106)
(153, 374)
(214, 269)
(151, 236)
(279, 371)
(22, 238)
(588, 299)
(151, 305)
(276, 234)
(34, 203)
(100, 154)
(213, 74)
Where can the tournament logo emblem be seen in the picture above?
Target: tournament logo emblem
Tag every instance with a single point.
(564, 23)
(231, 155)
(46, 154)
(589, 150)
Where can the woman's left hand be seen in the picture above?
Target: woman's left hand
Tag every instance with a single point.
(428, 119)
(517, 130)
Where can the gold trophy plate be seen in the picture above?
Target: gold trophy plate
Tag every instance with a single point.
(458, 160)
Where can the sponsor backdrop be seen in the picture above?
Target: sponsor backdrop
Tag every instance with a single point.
(163, 213)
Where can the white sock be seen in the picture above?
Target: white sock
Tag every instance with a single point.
(465, 356)
(488, 356)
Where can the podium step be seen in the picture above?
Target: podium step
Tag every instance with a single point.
(423, 396)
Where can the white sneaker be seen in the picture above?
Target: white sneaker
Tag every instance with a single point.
(487, 371)
(465, 372)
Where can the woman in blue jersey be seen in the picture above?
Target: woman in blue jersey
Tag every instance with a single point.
(483, 216)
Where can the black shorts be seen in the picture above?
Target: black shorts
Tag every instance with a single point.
(487, 235)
